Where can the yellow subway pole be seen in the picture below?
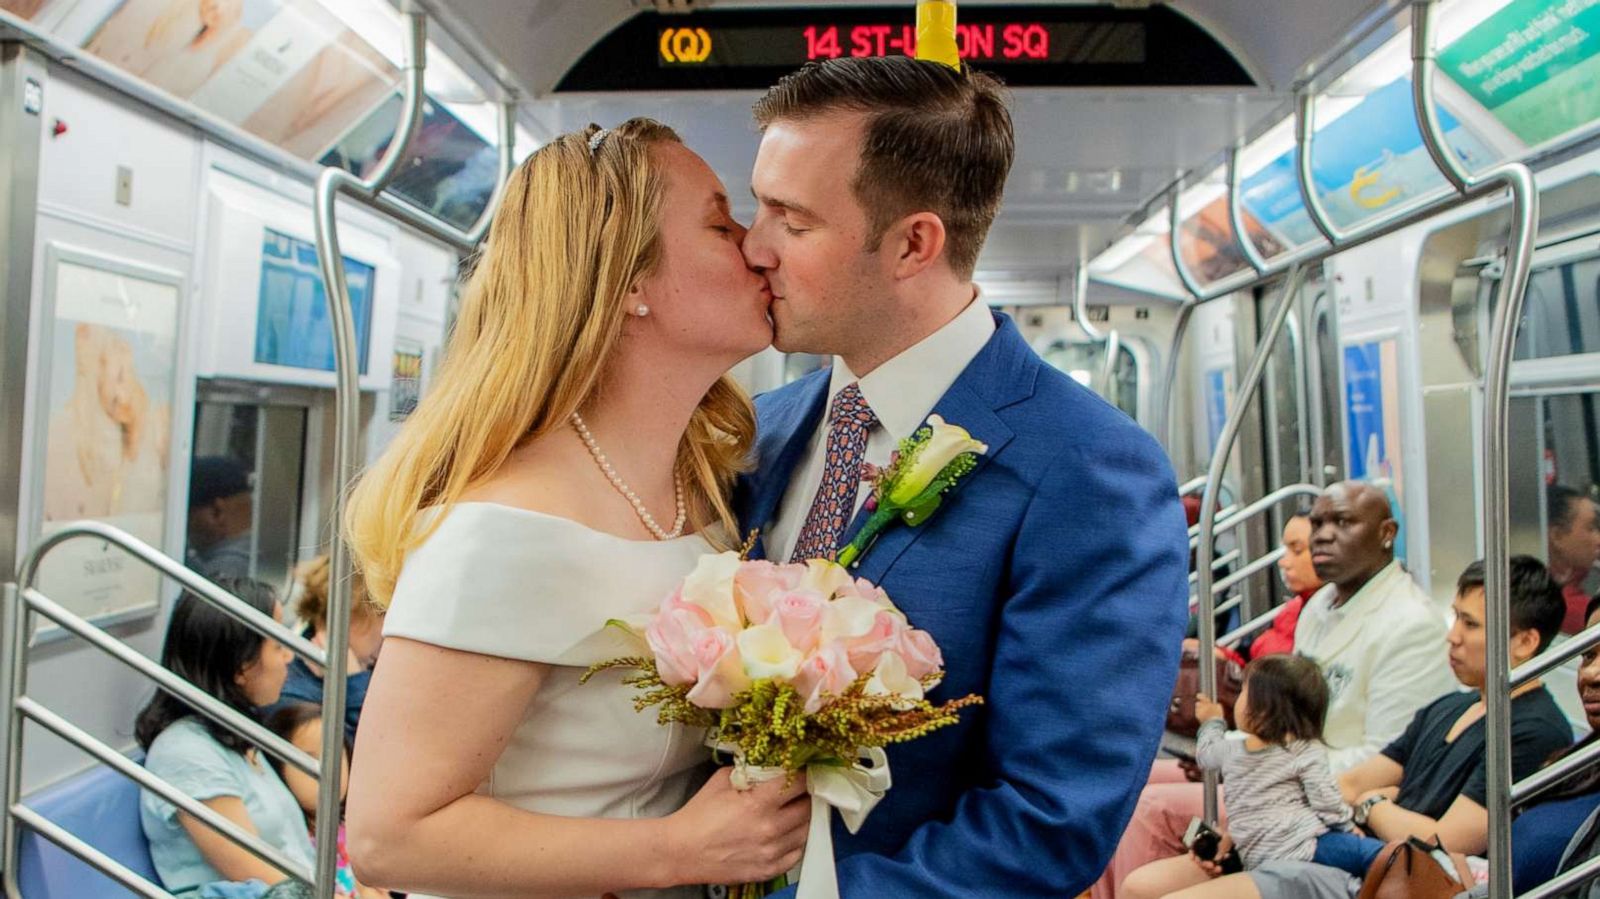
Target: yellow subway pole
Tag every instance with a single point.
(936, 32)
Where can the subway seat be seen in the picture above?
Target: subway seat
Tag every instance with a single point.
(100, 807)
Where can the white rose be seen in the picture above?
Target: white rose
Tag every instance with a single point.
(767, 653)
(710, 586)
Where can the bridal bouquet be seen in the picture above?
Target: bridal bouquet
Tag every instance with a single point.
(790, 668)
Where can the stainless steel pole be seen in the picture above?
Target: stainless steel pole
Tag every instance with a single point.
(347, 410)
(1241, 234)
(1496, 472)
(1208, 520)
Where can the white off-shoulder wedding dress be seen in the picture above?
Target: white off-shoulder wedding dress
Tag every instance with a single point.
(517, 584)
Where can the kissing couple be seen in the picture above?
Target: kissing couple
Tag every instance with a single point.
(583, 446)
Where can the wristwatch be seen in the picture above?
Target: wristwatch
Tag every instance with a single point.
(1364, 808)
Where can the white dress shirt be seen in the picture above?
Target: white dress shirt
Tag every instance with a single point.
(901, 393)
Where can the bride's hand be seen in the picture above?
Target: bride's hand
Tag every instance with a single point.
(729, 836)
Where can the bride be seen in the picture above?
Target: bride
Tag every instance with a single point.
(570, 463)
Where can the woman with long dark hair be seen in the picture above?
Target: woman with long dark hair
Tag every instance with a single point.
(222, 770)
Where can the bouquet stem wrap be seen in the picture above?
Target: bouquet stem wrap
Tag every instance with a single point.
(852, 789)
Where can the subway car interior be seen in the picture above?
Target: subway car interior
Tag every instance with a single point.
(1300, 243)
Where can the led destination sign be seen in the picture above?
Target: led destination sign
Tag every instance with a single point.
(1027, 46)
(981, 43)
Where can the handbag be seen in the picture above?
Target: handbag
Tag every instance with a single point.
(1230, 678)
(1409, 869)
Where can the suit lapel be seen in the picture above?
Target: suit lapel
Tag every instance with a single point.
(793, 432)
(1002, 374)
(959, 406)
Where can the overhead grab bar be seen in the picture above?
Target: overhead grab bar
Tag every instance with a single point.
(1241, 235)
(1518, 179)
(1208, 512)
(1175, 243)
(1305, 125)
(1110, 339)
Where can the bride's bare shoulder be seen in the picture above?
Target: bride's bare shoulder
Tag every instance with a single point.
(538, 476)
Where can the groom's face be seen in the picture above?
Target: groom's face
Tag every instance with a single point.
(811, 234)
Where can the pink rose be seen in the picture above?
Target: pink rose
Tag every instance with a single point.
(718, 672)
(799, 613)
(757, 582)
(921, 654)
(826, 674)
(672, 636)
(883, 637)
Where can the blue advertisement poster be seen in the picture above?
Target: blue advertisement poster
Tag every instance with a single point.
(292, 326)
(1366, 160)
(1363, 395)
(1372, 421)
(1216, 405)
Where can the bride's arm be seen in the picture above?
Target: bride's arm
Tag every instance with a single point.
(435, 721)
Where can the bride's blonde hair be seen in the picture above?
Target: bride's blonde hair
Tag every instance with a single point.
(541, 314)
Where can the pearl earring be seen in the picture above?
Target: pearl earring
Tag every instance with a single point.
(641, 310)
(1388, 544)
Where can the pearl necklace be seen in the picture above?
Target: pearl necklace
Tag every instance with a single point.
(627, 492)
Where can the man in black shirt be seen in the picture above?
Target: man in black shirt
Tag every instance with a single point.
(1432, 780)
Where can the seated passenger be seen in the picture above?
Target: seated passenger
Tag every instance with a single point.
(210, 763)
(366, 638)
(1542, 830)
(1574, 545)
(1431, 781)
(1300, 576)
(301, 724)
(1378, 639)
(1284, 800)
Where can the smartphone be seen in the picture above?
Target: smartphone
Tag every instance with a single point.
(1203, 841)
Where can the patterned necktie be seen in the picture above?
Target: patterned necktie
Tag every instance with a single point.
(850, 420)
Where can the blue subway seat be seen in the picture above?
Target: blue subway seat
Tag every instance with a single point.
(100, 807)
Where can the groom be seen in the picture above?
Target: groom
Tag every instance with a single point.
(1054, 576)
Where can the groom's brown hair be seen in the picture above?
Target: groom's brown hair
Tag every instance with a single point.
(935, 140)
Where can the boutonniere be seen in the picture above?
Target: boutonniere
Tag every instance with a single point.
(911, 488)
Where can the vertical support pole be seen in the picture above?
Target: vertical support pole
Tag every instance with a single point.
(1208, 501)
(23, 79)
(1241, 235)
(1496, 467)
(13, 683)
(347, 412)
(1169, 377)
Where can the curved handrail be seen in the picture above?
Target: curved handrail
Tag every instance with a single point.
(1174, 243)
(1253, 626)
(1241, 234)
(1193, 485)
(507, 159)
(261, 623)
(1254, 509)
(1304, 127)
(1259, 563)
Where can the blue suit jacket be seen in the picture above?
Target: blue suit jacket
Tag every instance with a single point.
(1054, 579)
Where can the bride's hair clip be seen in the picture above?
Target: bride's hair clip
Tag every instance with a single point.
(596, 139)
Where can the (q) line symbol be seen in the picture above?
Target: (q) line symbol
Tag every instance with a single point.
(685, 44)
